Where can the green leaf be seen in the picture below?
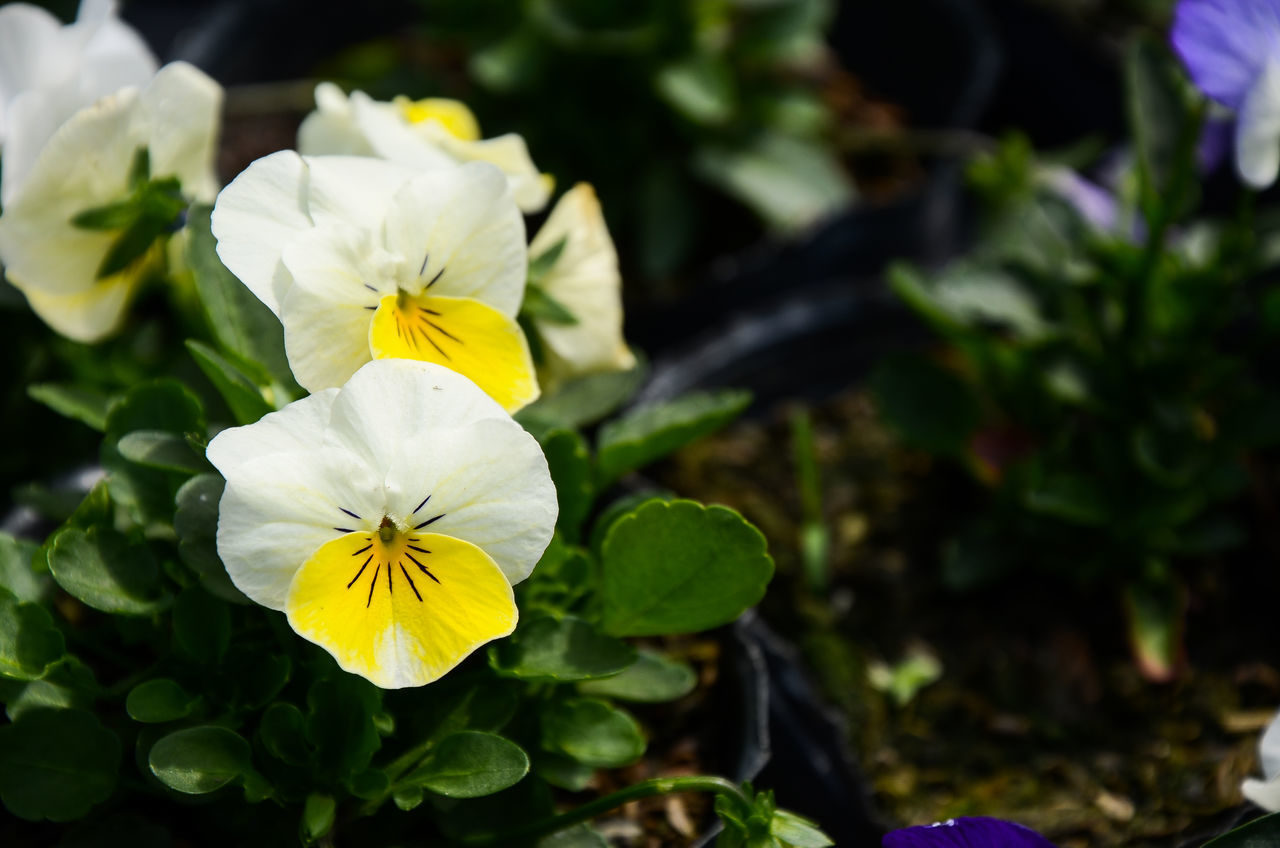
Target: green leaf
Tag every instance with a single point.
(544, 262)
(56, 764)
(471, 764)
(68, 684)
(131, 245)
(317, 817)
(582, 401)
(1158, 119)
(16, 573)
(1156, 616)
(789, 182)
(569, 461)
(680, 567)
(369, 784)
(283, 734)
(161, 450)
(700, 87)
(88, 406)
(139, 169)
(592, 732)
(196, 523)
(929, 406)
(29, 640)
(1260, 833)
(797, 832)
(549, 649)
(652, 432)
(540, 306)
(199, 760)
(241, 393)
(242, 324)
(340, 724)
(99, 567)
(1075, 498)
(408, 797)
(562, 771)
(578, 836)
(618, 508)
(112, 216)
(159, 700)
(201, 626)
(652, 678)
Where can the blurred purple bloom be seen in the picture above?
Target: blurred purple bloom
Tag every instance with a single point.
(1215, 141)
(1094, 203)
(967, 832)
(1232, 50)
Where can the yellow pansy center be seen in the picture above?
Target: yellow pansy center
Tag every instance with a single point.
(398, 604)
(460, 333)
(452, 115)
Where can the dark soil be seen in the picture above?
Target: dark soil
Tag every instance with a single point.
(1039, 714)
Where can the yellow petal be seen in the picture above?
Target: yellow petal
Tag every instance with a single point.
(400, 608)
(453, 115)
(461, 333)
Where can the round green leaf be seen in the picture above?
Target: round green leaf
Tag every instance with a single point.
(200, 759)
(652, 678)
(99, 567)
(569, 648)
(471, 764)
(29, 641)
(680, 567)
(157, 701)
(56, 764)
(317, 817)
(16, 573)
(570, 464)
(282, 734)
(201, 625)
(592, 732)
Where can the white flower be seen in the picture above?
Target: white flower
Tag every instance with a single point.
(86, 165)
(388, 518)
(48, 72)
(423, 134)
(364, 259)
(1266, 793)
(585, 280)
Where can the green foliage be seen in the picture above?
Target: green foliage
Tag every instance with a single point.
(1260, 833)
(680, 567)
(651, 678)
(470, 764)
(56, 764)
(88, 406)
(652, 432)
(29, 641)
(564, 650)
(158, 700)
(592, 732)
(104, 570)
(199, 760)
(569, 460)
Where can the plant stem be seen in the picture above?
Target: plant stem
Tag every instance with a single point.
(643, 789)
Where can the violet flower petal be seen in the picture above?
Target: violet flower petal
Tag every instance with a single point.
(967, 832)
(1225, 43)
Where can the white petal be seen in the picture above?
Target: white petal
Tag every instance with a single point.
(586, 280)
(510, 154)
(297, 428)
(278, 510)
(1266, 794)
(179, 113)
(425, 397)
(32, 54)
(393, 138)
(490, 481)
(255, 216)
(462, 221)
(114, 56)
(88, 316)
(352, 190)
(84, 165)
(331, 127)
(1258, 129)
(34, 116)
(326, 322)
(1269, 749)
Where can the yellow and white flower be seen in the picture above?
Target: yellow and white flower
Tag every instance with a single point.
(423, 134)
(585, 280)
(364, 259)
(49, 71)
(388, 519)
(86, 165)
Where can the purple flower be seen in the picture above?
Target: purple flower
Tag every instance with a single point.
(1232, 50)
(967, 832)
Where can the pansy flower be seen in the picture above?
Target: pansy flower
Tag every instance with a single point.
(967, 832)
(49, 71)
(388, 519)
(584, 279)
(424, 134)
(1231, 48)
(365, 259)
(1266, 793)
(90, 166)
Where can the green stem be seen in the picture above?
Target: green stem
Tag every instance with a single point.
(643, 789)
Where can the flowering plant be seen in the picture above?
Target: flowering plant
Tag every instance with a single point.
(323, 586)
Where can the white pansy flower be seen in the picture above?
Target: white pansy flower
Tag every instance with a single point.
(49, 71)
(584, 279)
(424, 134)
(86, 165)
(1266, 793)
(388, 519)
(364, 259)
